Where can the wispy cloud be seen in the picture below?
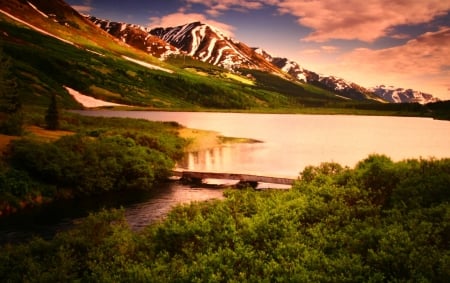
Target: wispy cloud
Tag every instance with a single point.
(329, 48)
(85, 7)
(365, 20)
(362, 20)
(181, 18)
(426, 54)
(217, 7)
(422, 62)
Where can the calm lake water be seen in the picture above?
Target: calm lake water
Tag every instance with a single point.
(289, 143)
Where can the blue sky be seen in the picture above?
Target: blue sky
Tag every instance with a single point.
(404, 43)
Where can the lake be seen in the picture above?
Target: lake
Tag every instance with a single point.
(289, 143)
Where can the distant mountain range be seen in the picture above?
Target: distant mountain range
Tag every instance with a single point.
(208, 44)
(398, 95)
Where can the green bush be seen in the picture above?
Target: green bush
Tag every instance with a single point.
(91, 165)
(328, 228)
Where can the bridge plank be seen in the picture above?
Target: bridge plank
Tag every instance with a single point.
(233, 176)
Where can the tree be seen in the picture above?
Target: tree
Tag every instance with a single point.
(11, 118)
(52, 116)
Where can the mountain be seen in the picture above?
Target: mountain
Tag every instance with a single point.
(210, 45)
(335, 84)
(198, 40)
(137, 36)
(401, 95)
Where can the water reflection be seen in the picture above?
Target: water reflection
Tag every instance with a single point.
(212, 159)
(153, 209)
(239, 157)
(141, 209)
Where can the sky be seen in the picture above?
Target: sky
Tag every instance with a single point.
(401, 43)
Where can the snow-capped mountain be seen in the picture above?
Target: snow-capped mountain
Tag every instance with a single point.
(335, 84)
(137, 36)
(199, 40)
(399, 95)
(210, 45)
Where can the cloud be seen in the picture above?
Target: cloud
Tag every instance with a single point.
(177, 19)
(86, 7)
(423, 61)
(329, 48)
(363, 20)
(427, 54)
(217, 7)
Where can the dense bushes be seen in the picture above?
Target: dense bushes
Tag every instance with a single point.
(91, 165)
(101, 155)
(382, 221)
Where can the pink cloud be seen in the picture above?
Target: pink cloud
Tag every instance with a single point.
(336, 19)
(217, 7)
(86, 7)
(427, 54)
(363, 20)
(180, 18)
(329, 48)
(423, 63)
(82, 9)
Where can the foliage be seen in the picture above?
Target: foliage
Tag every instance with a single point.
(91, 166)
(11, 116)
(103, 154)
(381, 221)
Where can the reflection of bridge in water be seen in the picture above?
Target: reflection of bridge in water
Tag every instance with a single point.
(197, 177)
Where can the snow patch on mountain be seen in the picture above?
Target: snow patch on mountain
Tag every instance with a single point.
(147, 65)
(37, 10)
(89, 101)
(36, 28)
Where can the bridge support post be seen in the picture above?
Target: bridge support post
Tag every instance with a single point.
(246, 184)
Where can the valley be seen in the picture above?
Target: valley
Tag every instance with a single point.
(95, 115)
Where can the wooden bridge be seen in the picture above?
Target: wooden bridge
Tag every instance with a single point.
(197, 177)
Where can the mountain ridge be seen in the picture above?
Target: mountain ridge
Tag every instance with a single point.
(210, 45)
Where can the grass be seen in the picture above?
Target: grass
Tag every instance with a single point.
(46, 135)
(241, 79)
(35, 131)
